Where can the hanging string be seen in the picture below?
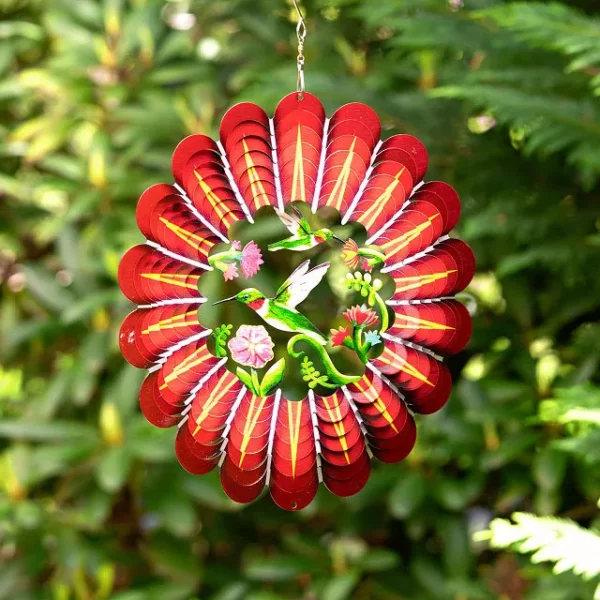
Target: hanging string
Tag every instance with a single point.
(301, 34)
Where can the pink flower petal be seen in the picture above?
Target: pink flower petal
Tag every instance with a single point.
(256, 362)
(252, 346)
(245, 331)
(231, 272)
(259, 334)
(251, 259)
(237, 344)
(264, 352)
(245, 357)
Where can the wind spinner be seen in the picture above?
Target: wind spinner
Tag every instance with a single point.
(237, 419)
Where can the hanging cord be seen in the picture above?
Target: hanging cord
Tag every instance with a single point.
(301, 34)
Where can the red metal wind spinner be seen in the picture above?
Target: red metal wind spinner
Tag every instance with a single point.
(248, 429)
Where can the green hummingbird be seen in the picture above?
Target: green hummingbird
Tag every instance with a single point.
(280, 310)
(303, 237)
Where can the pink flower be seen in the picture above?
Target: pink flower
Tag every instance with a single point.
(230, 272)
(339, 335)
(366, 266)
(361, 316)
(252, 346)
(251, 259)
(236, 245)
(350, 254)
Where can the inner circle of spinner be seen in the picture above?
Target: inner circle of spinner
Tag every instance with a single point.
(296, 301)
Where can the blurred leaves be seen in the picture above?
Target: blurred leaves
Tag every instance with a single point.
(556, 26)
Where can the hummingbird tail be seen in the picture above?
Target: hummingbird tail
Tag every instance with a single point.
(276, 246)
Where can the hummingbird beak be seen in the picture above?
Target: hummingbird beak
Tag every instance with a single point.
(224, 300)
(335, 237)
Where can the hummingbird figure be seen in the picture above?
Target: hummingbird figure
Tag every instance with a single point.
(303, 237)
(280, 310)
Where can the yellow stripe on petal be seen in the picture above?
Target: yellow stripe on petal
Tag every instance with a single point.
(395, 245)
(342, 181)
(194, 240)
(294, 428)
(338, 426)
(258, 190)
(416, 281)
(175, 279)
(370, 216)
(371, 394)
(250, 424)
(298, 178)
(216, 395)
(405, 366)
(183, 320)
(197, 357)
(215, 201)
(417, 323)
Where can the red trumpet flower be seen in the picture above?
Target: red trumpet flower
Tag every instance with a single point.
(338, 336)
(361, 316)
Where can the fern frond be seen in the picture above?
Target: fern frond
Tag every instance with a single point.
(548, 123)
(549, 539)
(556, 27)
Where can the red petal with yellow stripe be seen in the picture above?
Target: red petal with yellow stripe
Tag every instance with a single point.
(447, 269)
(165, 219)
(149, 405)
(182, 371)
(444, 326)
(147, 333)
(146, 275)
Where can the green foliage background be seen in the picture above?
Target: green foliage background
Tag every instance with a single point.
(94, 95)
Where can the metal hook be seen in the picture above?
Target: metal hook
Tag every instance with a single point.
(301, 34)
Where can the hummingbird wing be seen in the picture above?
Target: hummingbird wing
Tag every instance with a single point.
(299, 284)
(296, 223)
(304, 225)
(298, 272)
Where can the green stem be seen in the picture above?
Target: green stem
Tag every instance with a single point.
(367, 252)
(385, 318)
(255, 381)
(358, 345)
(331, 386)
(334, 375)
